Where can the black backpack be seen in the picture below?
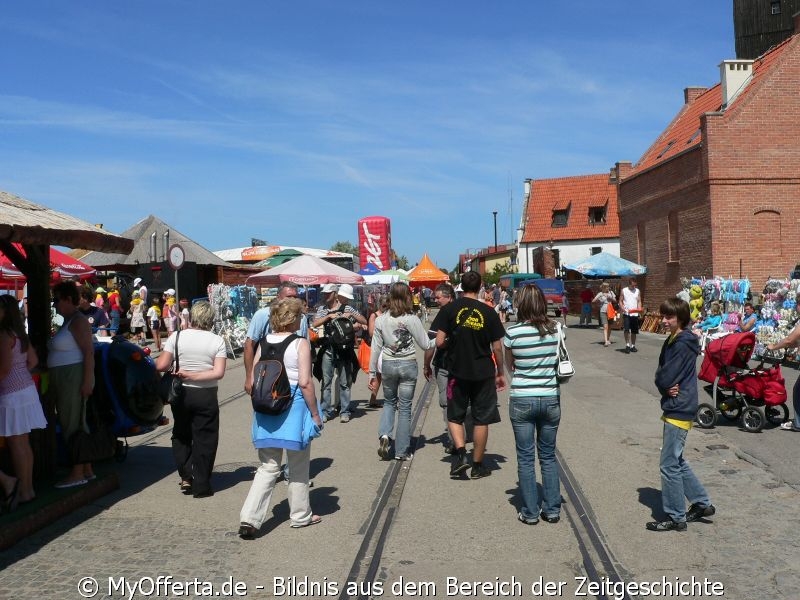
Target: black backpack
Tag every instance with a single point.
(340, 333)
(272, 392)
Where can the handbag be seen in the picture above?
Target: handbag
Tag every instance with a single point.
(364, 355)
(564, 370)
(170, 388)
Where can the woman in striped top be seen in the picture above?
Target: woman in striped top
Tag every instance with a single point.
(531, 357)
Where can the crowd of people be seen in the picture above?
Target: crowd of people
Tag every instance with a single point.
(467, 350)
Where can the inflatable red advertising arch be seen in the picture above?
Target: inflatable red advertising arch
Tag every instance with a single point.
(375, 242)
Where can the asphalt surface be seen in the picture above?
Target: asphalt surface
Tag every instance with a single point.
(395, 529)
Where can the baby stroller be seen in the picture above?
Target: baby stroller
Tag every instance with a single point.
(756, 395)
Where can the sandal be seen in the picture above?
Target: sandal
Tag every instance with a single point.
(789, 426)
(314, 520)
(10, 500)
(247, 531)
(186, 486)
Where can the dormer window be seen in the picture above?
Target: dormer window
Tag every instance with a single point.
(560, 217)
(597, 215)
(775, 7)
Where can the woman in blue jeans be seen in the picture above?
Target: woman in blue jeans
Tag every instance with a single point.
(531, 356)
(395, 333)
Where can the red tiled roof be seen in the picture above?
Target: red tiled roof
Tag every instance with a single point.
(579, 194)
(684, 131)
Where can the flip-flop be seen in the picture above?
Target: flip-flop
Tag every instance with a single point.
(314, 520)
(70, 484)
(10, 501)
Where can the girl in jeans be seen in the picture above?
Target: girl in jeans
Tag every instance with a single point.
(396, 331)
(531, 357)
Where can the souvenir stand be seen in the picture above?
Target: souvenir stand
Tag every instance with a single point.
(777, 316)
(776, 309)
(234, 307)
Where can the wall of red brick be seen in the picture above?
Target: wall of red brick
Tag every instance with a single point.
(754, 173)
(737, 196)
(649, 198)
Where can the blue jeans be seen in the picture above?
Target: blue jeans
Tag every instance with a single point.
(677, 479)
(343, 370)
(399, 383)
(539, 417)
(796, 402)
(114, 322)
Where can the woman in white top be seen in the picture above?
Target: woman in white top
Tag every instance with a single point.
(70, 362)
(393, 341)
(195, 433)
(292, 430)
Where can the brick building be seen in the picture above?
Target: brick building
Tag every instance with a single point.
(718, 192)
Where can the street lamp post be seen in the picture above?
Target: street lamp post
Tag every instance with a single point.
(494, 213)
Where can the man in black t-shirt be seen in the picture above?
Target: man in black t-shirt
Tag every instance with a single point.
(472, 333)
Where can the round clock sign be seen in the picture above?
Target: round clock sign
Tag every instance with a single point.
(176, 256)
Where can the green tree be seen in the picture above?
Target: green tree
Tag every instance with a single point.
(345, 247)
(402, 263)
(497, 272)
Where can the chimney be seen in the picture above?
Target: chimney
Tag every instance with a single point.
(165, 237)
(623, 169)
(734, 76)
(690, 94)
(153, 247)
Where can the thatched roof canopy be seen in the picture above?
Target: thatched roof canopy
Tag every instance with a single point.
(28, 223)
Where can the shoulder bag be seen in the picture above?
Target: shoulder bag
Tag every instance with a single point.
(170, 387)
(564, 370)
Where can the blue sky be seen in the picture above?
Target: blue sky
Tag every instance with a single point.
(289, 121)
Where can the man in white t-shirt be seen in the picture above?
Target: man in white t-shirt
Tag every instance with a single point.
(631, 304)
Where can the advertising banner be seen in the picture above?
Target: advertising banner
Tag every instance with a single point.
(375, 242)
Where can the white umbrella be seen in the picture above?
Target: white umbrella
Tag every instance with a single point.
(305, 270)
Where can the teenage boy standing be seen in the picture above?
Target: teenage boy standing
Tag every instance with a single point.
(676, 380)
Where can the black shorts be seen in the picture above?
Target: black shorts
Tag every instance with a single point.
(630, 323)
(481, 396)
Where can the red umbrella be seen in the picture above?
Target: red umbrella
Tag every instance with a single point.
(63, 264)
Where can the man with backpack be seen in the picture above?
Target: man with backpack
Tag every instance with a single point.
(338, 319)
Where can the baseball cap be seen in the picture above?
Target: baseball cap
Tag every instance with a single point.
(346, 291)
(328, 288)
(169, 292)
(99, 290)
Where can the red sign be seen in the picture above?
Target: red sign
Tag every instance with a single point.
(375, 242)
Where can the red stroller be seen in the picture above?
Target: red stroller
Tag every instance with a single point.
(757, 395)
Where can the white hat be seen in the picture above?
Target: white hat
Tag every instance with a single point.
(100, 290)
(137, 281)
(328, 288)
(169, 292)
(136, 292)
(346, 291)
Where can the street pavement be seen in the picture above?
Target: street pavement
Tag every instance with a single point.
(395, 529)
